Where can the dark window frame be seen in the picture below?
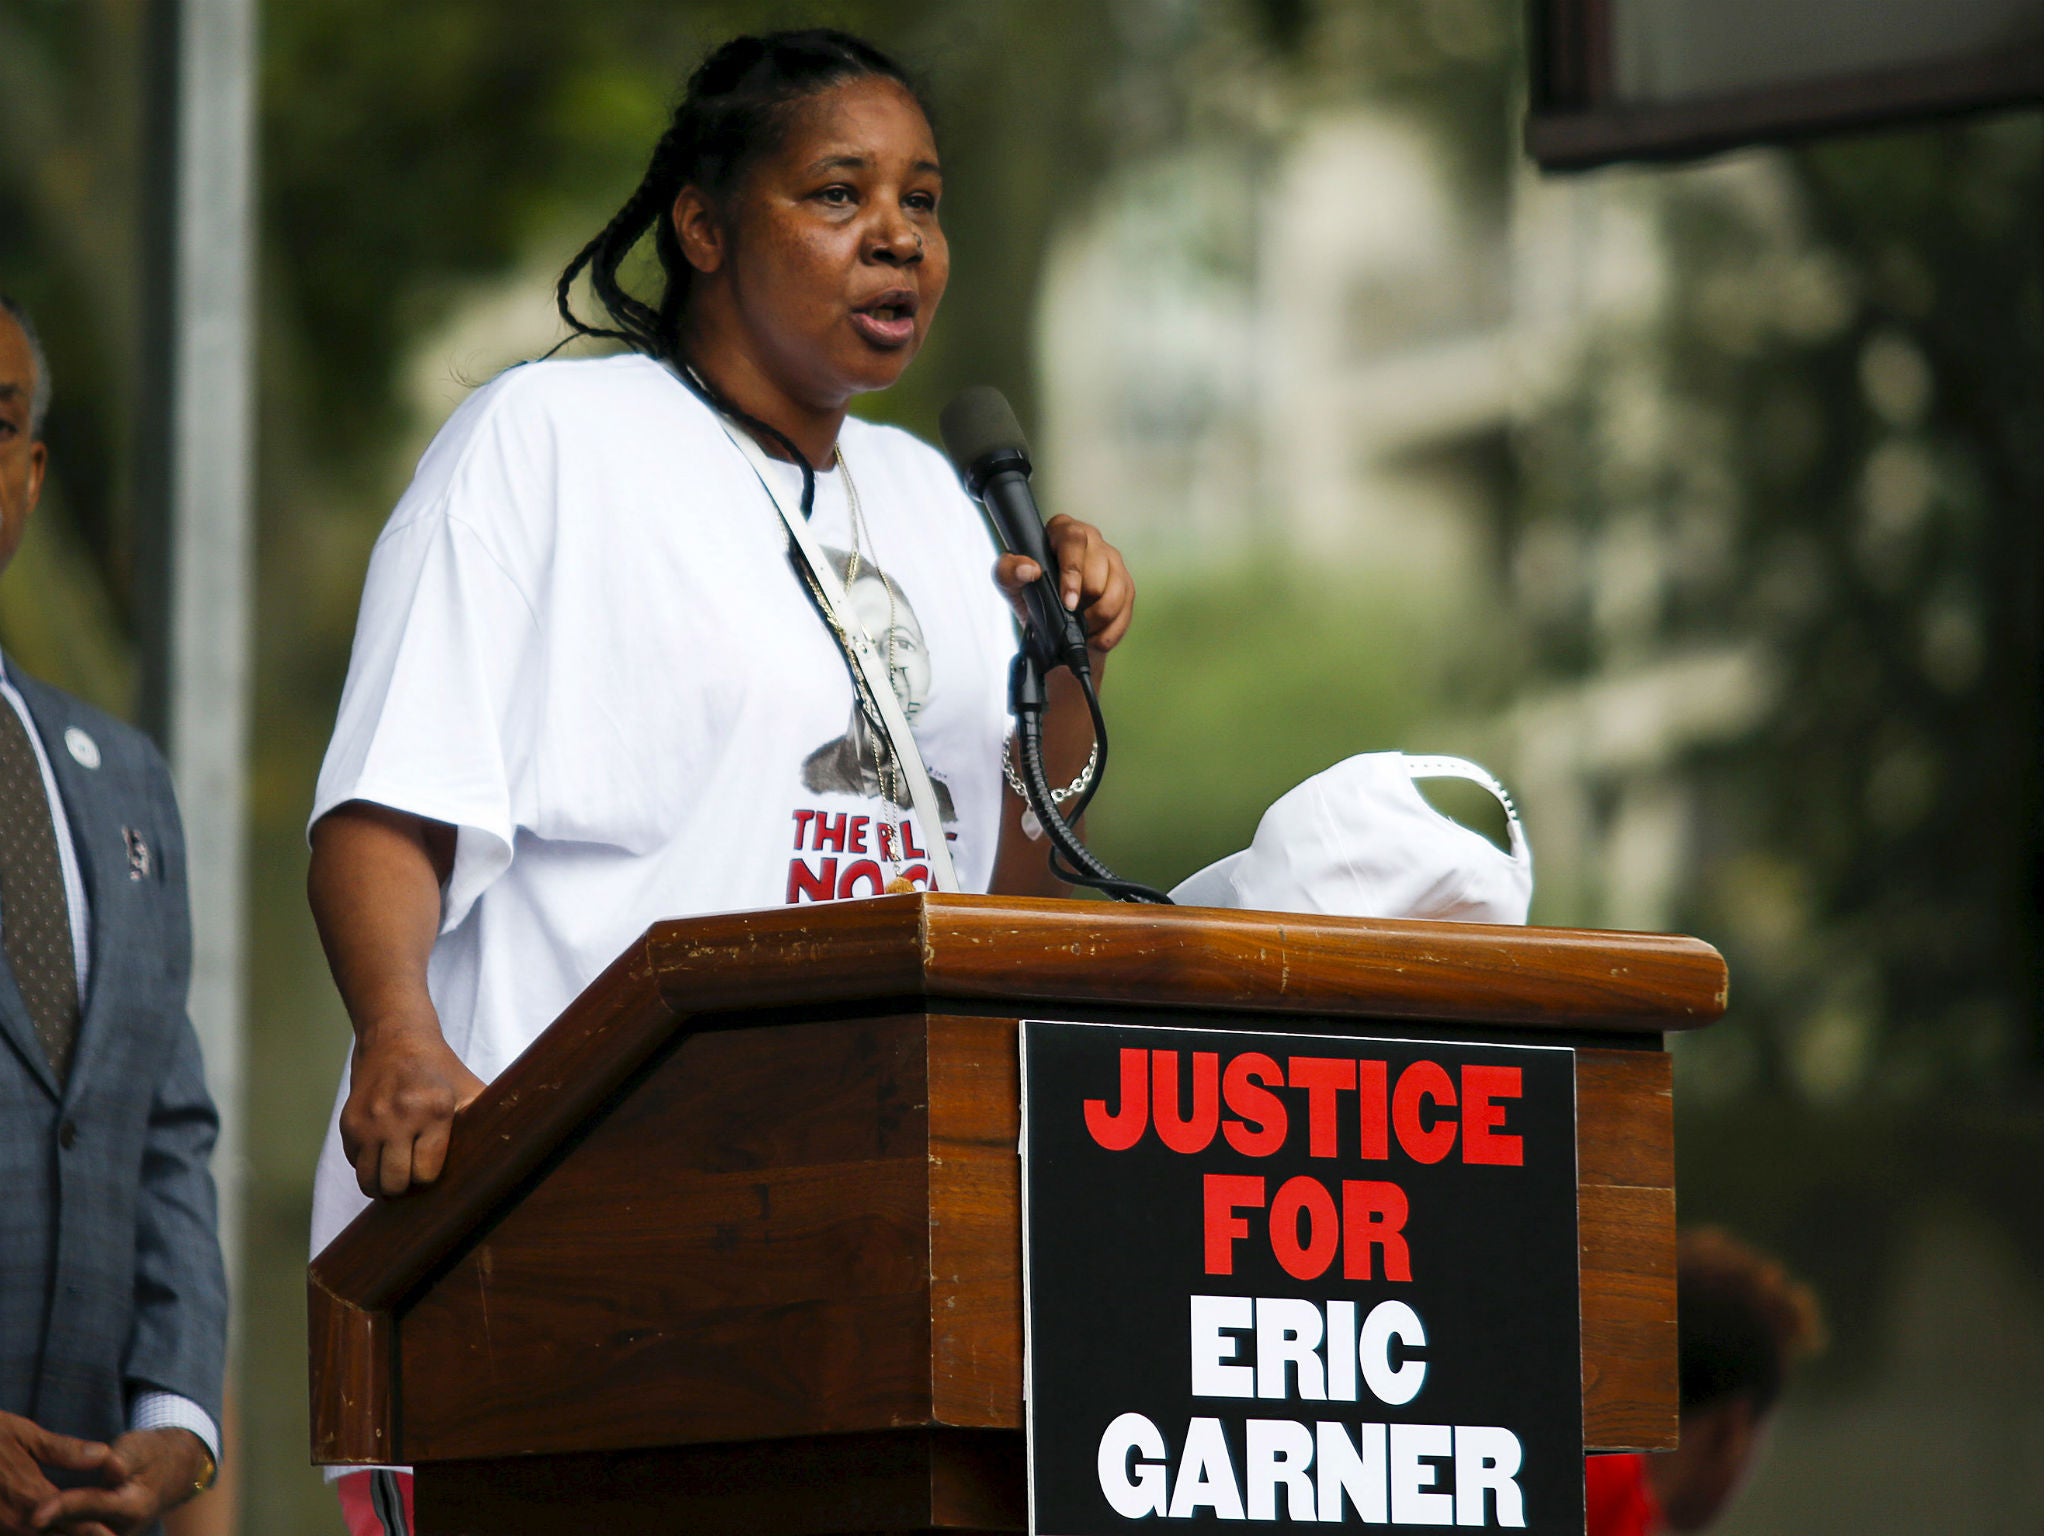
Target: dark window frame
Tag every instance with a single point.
(1576, 121)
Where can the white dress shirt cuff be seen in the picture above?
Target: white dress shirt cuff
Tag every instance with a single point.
(167, 1410)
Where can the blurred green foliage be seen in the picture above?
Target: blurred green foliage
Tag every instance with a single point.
(1240, 683)
(1852, 386)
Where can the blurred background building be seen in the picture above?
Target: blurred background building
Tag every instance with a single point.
(1701, 501)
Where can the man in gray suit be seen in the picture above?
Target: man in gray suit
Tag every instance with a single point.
(113, 1303)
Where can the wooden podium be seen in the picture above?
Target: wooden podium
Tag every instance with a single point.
(734, 1247)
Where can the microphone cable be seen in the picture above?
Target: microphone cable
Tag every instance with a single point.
(987, 447)
(1068, 857)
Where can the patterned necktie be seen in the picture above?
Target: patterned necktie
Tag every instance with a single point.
(35, 922)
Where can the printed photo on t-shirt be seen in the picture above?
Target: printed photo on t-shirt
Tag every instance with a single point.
(851, 764)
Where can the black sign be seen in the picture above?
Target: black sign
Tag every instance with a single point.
(1280, 1280)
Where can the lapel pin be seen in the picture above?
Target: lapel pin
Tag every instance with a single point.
(138, 854)
(83, 748)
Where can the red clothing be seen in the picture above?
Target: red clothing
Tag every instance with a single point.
(1618, 1497)
(376, 1503)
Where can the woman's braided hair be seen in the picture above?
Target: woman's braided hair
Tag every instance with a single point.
(736, 108)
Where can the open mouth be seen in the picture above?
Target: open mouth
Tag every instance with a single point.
(889, 320)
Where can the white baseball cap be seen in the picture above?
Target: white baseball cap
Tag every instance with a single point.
(1358, 840)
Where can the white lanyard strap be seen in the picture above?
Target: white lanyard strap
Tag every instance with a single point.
(874, 669)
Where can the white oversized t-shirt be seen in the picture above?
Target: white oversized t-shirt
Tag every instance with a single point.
(583, 645)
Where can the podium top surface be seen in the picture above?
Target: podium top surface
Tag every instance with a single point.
(1047, 952)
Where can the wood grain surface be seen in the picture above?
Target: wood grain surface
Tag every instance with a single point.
(1628, 1255)
(350, 1385)
(677, 1219)
(679, 1277)
(1044, 951)
(909, 1481)
(977, 1232)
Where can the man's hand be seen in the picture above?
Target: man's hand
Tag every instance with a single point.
(25, 1449)
(405, 1086)
(144, 1473)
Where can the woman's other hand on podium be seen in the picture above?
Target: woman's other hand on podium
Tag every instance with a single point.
(405, 1086)
(375, 886)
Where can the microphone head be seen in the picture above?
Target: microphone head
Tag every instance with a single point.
(979, 426)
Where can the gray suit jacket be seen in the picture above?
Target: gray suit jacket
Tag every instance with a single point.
(110, 1267)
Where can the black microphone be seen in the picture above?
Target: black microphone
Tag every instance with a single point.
(987, 447)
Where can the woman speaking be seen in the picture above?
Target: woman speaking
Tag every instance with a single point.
(591, 687)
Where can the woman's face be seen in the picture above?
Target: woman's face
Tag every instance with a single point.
(831, 246)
